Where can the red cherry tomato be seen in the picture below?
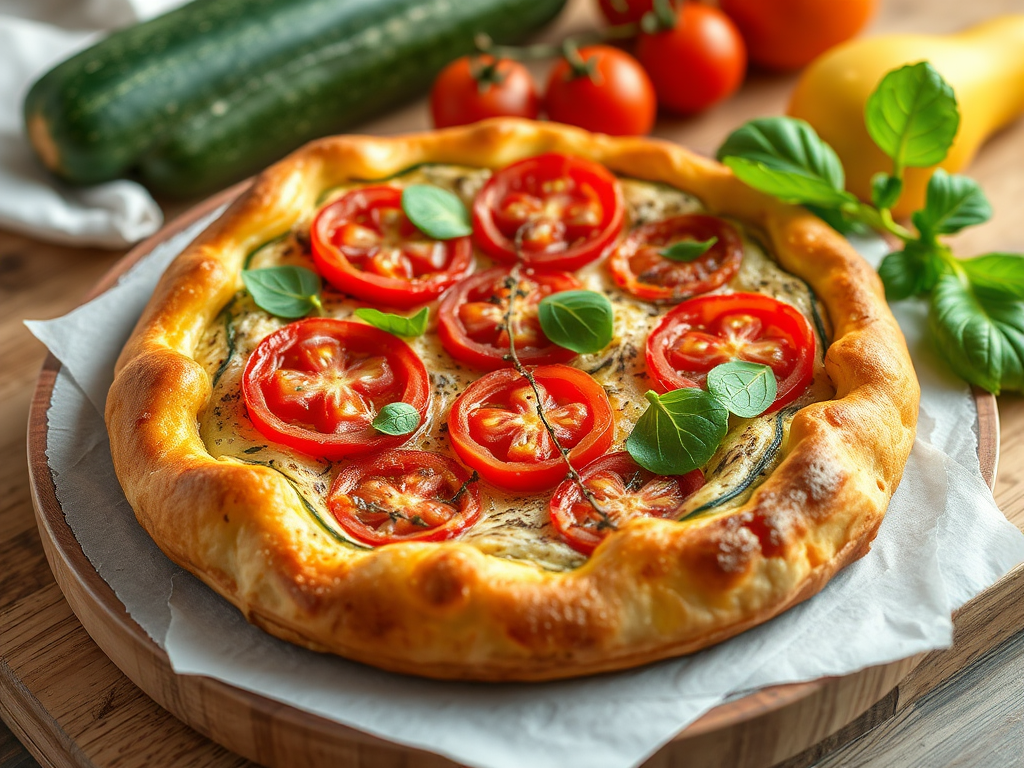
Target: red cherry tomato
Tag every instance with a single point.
(495, 427)
(365, 245)
(562, 211)
(789, 34)
(623, 491)
(624, 11)
(404, 496)
(471, 319)
(699, 62)
(639, 268)
(317, 384)
(710, 330)
(609, 92)
(476, 87)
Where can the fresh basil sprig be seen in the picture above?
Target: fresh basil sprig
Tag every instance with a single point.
(399, 325)
(688, 250)
(582, 321)
(397, 419)
(288, 292)
(436, 212)
(976, 314)
(746, 389)
(681, 430)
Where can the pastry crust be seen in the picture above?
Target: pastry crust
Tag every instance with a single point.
(654, 589)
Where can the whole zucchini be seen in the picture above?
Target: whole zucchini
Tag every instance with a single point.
(207, 94)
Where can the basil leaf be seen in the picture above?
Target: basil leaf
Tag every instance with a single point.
(397, 419)
(885, 190)
(582, 321)
(436, 212)
(288, 292)
(679, 432)
(981, 334)
(952, 202)
(1001, 273)
(746, 389)
(400, 325)
(688, 250)
(784, 157)
(912, 116)
(909, 272)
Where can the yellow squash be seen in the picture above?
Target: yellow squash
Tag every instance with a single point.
(984, 65)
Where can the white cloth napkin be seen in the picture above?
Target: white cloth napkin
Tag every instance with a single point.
(942, 542)
(35, 35)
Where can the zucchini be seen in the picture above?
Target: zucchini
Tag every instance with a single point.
(216, 90)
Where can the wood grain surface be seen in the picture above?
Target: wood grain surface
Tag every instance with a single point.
(71, 707)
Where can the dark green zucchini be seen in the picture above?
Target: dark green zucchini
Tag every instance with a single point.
(209, 93)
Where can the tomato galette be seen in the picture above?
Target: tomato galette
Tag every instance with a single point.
(512, 402)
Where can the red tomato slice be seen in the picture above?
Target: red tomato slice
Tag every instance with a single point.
(471, 320)
(623, 491)
(562, 211)
(495, 427)
(365, 245)
(638, 267)
(317, 384)
(404, 496)
(710, 330)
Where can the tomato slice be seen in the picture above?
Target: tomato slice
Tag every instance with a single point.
(404, 496)
(623, 491)
(562, 211)
(710, 330)
(365, 245)
(471, 320)
(639, 268)
(317, 384)
(496, 429)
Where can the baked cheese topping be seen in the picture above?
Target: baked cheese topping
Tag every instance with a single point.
(515, 527)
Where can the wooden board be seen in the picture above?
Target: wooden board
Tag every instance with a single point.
(781, 721)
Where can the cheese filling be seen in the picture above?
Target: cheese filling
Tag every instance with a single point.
(510, 526)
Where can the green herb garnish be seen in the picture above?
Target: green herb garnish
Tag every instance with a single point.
(436, 212)
(399, 325)
(582, 321)
(688, 250)
(746, 389)
(288, 292)
(397, 419)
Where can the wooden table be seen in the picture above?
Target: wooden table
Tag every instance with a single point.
(960, 707)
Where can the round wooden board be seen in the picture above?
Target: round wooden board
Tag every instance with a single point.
(756, 731)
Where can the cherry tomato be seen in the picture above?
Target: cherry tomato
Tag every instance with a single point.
(638, 267)
(365, 245)
(624, 11)
(607, 92)
(476, 87)
(496, 429)
(404, 496)
(471, 319)
(316, 385)
(623, 491)
(562, 211)
(788, 34)
(697, 63)
(710, 330)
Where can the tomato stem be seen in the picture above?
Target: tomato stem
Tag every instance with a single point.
(512, 282)
(537, 51)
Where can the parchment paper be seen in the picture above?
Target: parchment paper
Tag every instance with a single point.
(942, 542)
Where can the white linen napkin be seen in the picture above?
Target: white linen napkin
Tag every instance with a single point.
(35, 35)
(942, 541)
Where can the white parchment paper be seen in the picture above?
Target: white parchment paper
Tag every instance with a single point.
(942, 542)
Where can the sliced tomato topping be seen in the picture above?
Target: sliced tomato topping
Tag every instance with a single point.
(496, 426)
(471, 320)
(317, 384)
(639, 268)
(555, 211)
(404, 496)
(620, 490)
(710, 330)
(365, 245)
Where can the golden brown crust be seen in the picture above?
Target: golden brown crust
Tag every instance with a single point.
(654, 589)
